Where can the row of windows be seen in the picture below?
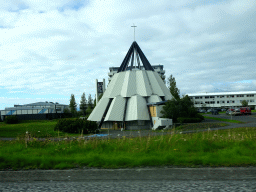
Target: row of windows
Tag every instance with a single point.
(222, 96)
(231, 101)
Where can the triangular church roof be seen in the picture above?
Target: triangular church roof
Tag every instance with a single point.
(135, 53)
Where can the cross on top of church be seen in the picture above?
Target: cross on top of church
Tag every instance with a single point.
(134, 30)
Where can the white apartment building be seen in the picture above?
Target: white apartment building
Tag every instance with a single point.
(223, 99)
(158, 68)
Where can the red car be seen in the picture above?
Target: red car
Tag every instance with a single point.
(245, 111)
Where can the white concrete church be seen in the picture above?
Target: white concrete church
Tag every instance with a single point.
(134, 97)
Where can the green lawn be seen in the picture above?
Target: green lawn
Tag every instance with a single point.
(199, 126)
(36, 128)
(226, 120)
(234, 147)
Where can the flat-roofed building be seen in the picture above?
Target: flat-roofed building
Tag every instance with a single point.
(38, 110)
(223, 99)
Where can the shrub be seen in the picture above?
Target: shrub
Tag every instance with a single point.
(188, 120)
(200, 116)
(11, 119)
(70, 125)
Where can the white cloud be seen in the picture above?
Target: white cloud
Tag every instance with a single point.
(61, 47)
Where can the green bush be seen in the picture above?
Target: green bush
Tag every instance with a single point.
(71, 125)
(200, 116)
(188, 120)
(11, 119)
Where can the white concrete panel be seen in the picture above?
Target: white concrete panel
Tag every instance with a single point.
(118, 85)
(98, 111)
(154, 99)
(129, 85)
(143, 83)
(111, 86)
(165, 90)
(156, 89)
(116, 109)
(136, 109)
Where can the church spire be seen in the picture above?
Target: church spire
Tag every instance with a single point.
(133, 54)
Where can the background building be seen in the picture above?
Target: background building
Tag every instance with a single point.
(39, 110)
(223, 99)
(158, 68)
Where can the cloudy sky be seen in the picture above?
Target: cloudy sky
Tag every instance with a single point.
(52, 49)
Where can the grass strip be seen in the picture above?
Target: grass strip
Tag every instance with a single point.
(199, 126)
(226, 120)
(234, 147)
(36, 128)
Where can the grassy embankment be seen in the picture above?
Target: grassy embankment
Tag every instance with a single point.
(234, 147)
(36, 128)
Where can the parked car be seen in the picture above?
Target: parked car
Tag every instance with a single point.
(202, 111)
(218, 109)
(229, 111)
(245, 111)
(223, 109)
(209, 110)
(236, 112)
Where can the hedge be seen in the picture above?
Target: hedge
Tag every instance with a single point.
(71, 125)
(11, 119)
(188, 120)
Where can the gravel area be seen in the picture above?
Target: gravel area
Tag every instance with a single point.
(137, 179)
(134, 186)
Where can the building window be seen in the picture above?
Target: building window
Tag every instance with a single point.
(206, 97)
(251, 101)
(218, 102)
(212, 96)
(196, 97)
(227, 101)
(227, 96)
(221, 96)
(233, 101)
(222, 101)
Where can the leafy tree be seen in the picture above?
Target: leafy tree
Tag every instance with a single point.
(183, 107)
(90, 101)
(244, 103)
(173, 88)
(67, 113)
(83, 104)
(72, 105)
(88, 111)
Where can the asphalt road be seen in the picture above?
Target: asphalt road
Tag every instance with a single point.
(139, 179)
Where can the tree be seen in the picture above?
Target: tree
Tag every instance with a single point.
(72, 105)
(183, 107)
(173, 88)
(83, 104)
(90, 101)
(244, 103)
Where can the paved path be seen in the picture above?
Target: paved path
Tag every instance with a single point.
(139, 179)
